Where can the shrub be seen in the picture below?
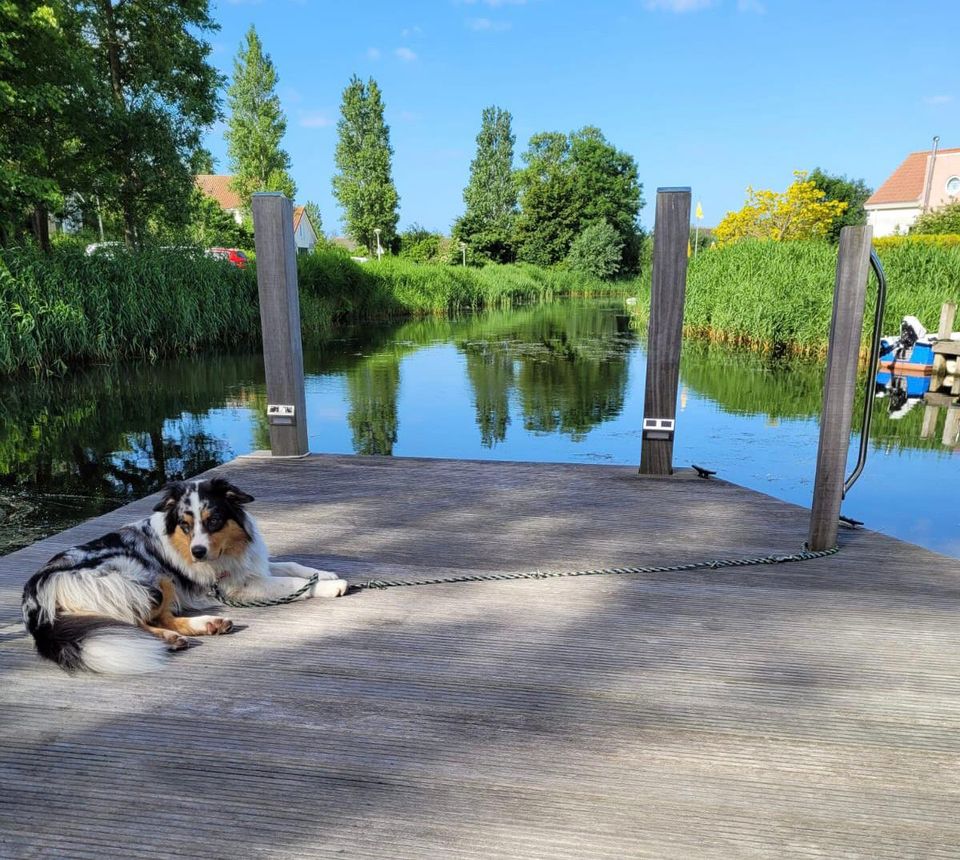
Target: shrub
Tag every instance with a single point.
(940, 221)
(597, 251)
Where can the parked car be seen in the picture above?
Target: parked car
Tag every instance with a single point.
(234, 256)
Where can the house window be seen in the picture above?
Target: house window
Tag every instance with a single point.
(953, 186)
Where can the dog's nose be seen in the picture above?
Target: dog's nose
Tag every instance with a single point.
(199, 551)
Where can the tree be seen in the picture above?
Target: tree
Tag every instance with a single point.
(256, 125)
(569, 182)
(943, 220)
(313, 213)
(153, 95)
(801, 212)
(363, 185)
(35, 69)
(597, 251)
(853, 192)
(491, 194)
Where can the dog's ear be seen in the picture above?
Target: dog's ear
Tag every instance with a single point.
(230, 492)
(172, 493)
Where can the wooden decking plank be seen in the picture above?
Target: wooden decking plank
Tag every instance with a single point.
(803, 710)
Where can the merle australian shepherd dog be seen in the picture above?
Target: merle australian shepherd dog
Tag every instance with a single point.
(112, 605)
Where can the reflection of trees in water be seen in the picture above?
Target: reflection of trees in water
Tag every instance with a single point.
(745, 382)
(572, 369)
(490, 372)
(74, 447)
(750, 383)
(372, 387)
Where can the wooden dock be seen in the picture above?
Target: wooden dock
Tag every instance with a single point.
(799, 710)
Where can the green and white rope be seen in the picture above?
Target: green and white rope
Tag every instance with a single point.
(381, 584)
(276, 601)
(713, 564)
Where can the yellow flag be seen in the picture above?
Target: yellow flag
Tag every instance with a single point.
(699, 211)
(689, 248)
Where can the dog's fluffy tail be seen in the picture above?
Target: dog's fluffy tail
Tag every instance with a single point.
(97, 645)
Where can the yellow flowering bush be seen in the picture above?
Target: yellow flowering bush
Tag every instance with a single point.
(800, 212)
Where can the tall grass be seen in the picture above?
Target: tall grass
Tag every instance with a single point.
(66, 308)
(779, 295)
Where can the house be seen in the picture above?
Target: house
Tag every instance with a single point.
(924, 181)
(219, 188)
(304, 233)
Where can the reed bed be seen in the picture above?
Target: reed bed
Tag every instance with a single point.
(66, 309)
(778, 295)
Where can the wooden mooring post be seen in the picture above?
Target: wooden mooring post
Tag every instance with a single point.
(280, 323)
(665, 331)
(839, 388)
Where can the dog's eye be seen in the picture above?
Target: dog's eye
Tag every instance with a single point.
(214, 523)
(184, 527)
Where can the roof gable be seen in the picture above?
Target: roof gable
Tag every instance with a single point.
(905, 184)
(218, 187)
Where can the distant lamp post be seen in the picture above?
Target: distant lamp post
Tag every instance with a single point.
(379, 246)
(463, 251)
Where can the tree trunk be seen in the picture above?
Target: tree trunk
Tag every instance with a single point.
(40, 221)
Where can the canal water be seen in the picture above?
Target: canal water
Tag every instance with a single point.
(553, 383)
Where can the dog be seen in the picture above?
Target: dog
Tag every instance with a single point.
(93, 606)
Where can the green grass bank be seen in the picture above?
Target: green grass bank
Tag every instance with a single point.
(66, 309)
(779, 295)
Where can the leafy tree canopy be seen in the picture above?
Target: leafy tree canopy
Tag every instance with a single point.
(597, 251)
(256, 125)
(491, 195)
(569, 182)
(853, 192)
(363, 184)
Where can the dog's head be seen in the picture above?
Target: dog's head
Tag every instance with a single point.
(205, 520)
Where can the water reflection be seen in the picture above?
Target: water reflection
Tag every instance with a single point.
(562, 382)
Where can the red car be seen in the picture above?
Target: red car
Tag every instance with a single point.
(231, 255)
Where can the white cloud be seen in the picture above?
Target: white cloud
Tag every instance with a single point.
(315, 119)
(937, 100)
(405, 54)
(754, 6)
(408, 32)
(487, 25)
(373, 53)
(678, 6)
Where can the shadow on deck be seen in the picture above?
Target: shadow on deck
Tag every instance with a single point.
(807, 709)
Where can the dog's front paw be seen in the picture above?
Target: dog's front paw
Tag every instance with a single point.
(218, 626)
(330, 588)
(324, 574)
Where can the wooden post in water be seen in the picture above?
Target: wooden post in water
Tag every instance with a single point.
(665, 331)
(280, 323)
(839, 388)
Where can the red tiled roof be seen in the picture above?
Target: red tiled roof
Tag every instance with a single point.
(905, 184)
(218, 187)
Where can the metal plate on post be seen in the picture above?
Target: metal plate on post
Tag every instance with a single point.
(658, 428)
(281, 413)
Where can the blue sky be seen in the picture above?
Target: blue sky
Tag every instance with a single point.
(714, 94)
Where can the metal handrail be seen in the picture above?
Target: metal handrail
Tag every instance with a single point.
(871, 378)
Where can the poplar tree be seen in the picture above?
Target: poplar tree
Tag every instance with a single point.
(363, 185)
(256, 125)
(491, 195)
